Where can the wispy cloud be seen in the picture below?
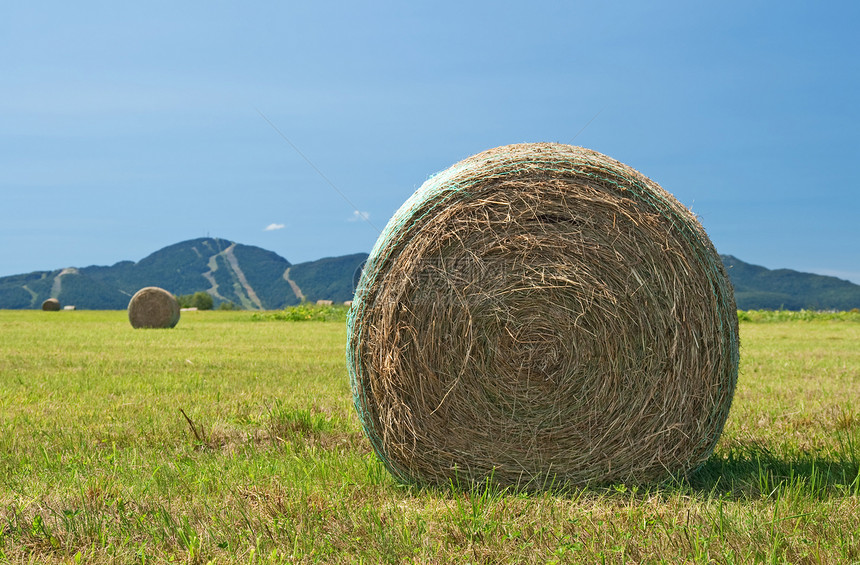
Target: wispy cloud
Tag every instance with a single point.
(273, 227)
(356, 216)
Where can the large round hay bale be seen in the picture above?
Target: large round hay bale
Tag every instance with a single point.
(51, 305)
(542, 314)
(153, 307)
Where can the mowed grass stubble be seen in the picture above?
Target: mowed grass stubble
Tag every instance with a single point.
(229, 440)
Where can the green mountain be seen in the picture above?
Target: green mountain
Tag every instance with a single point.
(760, 288)
(332, 278)
(256, 279)
(248, 276)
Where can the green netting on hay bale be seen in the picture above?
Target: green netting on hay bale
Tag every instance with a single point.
(542, 314)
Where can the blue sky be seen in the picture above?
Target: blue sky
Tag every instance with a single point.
(126, 127)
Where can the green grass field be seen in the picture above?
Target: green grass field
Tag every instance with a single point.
(233, 440)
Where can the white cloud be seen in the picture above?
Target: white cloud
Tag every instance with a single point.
(273, 227)
(356, 216)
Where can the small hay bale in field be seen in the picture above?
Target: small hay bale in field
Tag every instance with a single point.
(541, 313)
(153, 307)
(51, 305)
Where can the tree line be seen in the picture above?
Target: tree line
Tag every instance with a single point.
(203, 301)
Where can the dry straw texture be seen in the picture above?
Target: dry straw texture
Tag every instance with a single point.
(153, 307)
(51, 305)
(542, 313)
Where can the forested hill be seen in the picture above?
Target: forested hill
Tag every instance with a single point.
(760, 288)
(254, 278)
(248, 276)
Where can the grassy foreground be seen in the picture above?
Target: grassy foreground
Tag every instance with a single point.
(229, 440)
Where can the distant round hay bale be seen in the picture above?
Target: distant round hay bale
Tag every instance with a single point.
(542, 314)
(51, 305)
(153, 307)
